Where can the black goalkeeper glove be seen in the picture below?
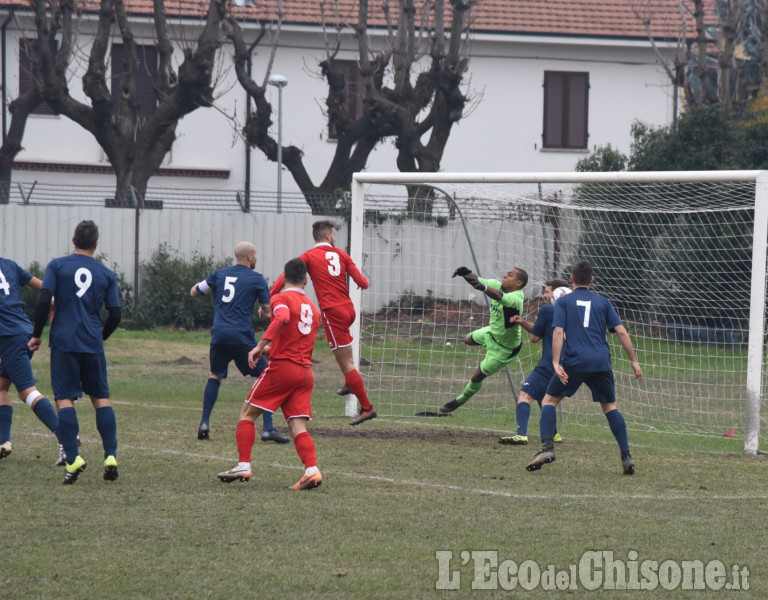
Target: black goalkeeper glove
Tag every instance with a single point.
(476, 284)
(462, 271)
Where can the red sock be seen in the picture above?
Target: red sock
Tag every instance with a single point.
(355, 382)
(305, 448)
(245, 434)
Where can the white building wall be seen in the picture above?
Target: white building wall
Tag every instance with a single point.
(500, 132)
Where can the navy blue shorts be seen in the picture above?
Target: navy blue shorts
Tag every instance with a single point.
(220, 355)
(601, 383)
(536, 383)
(76, 373)
(15, 364)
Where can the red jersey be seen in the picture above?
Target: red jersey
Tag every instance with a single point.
(296, 340)
(328, 267)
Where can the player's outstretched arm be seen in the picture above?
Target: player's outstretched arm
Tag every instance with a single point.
(464, 272)
(629, 349)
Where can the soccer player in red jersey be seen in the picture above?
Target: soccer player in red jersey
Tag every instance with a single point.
(328, 267)
(287, 381)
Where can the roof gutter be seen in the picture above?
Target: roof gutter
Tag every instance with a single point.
(4, 70)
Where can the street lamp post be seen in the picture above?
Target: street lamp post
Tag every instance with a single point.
(279, 81)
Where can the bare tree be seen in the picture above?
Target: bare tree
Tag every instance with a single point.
(20, 109)
(134, 148)
(396, 102)
(721, 56)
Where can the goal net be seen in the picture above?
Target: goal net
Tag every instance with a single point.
(674, 252)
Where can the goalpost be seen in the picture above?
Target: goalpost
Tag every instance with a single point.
(682, 255)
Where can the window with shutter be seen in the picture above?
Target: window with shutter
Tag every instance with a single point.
(566, 110)
(145, 87)
(353, 92)
(28, 70)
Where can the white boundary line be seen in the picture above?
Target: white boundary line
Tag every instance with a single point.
(698, 497)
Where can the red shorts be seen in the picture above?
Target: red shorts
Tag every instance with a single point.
(284, 384)
(336, 322)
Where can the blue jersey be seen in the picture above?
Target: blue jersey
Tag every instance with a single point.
(80, 285)
(235, 291)
(13, 319)
(585, 316)
(542, 328)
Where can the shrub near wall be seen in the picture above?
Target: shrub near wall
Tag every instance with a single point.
(164, 298)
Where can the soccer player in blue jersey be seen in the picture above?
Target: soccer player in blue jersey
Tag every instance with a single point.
(81, 285)
(235, 290)
(535, 385)
(580, 354)
(15, 365)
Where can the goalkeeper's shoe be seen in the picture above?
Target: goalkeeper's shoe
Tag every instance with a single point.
(62, 457)
(558, 439)
(363, 415)
(72, 471)
(203, 432)
(235, 473)
(5, 449)
(308, 482)
(110, 468)
(544, 456)
(450, 406)
(514, 440)
(344, 390)
(627, 464)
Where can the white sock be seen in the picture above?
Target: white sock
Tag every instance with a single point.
(310, 470)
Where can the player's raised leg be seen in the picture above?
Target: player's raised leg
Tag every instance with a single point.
(355, 384)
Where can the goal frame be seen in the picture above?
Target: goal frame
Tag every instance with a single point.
(754, 376)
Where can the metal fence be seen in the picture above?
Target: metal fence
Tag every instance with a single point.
(38, 222)
(49, 194)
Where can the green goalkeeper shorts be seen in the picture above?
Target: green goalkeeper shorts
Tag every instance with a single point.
(496, 355)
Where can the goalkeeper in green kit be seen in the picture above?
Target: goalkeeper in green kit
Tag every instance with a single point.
(501, 339)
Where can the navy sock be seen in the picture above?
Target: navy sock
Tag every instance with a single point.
(46, 413)
(267, 423)
(107, 426)
(618, 428)
(555, 430)
(209, 398)
(547, 424)
(68, 429)
(6, 418)
(522, 415)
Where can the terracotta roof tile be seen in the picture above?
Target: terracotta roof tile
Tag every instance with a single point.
(593, 18)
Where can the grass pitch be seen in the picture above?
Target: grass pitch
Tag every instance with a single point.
(395, 493)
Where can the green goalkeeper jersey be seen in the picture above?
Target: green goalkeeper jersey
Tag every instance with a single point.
(505, 333)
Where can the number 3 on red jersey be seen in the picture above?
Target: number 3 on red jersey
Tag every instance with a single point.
(334, 265)
(305, 324)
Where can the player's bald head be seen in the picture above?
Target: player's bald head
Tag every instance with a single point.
(243, 249)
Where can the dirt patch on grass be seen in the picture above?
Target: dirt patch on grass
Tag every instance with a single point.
(395, 433)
